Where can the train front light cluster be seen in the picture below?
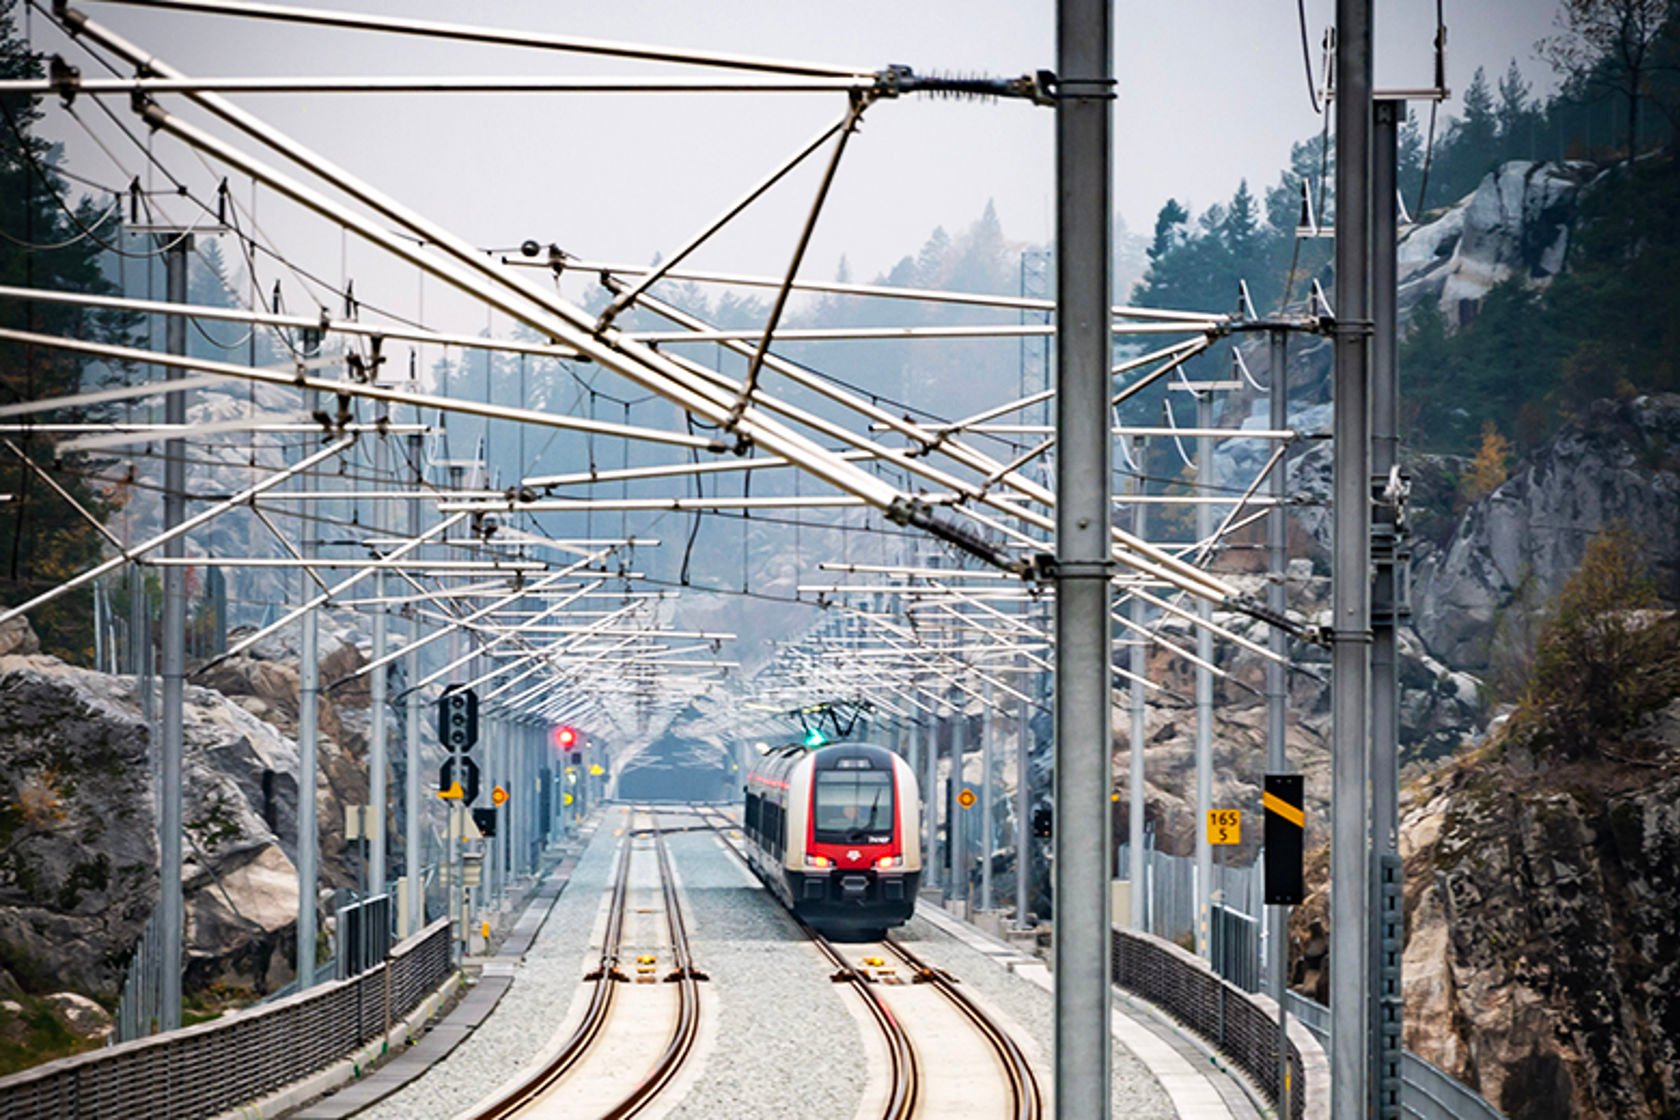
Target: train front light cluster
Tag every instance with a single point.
(817, 861)
(890, 861)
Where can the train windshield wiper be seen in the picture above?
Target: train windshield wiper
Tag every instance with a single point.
(870, 826)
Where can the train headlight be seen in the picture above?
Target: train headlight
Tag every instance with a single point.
(818, 861)
(890, 861)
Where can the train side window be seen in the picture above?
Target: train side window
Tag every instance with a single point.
(754, 801)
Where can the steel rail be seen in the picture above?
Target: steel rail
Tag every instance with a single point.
(495, 36)
(904, 1065)
(326, 325)
(1027, 1102)
(1205, 320)
(687, 978)
(380, 83)
(464, 267)
(606, 976)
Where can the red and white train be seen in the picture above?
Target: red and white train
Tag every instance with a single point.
(835, 833)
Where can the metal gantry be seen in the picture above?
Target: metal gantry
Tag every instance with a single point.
(1005, 580)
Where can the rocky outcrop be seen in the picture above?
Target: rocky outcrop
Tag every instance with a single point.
(1618, 464)
(78, 834)
(1542, 963)
(1517, 224)
(264, 682)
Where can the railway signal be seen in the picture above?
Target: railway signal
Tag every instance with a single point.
(1042, 823)
(458, 783)
(458, 719)
(565, 737)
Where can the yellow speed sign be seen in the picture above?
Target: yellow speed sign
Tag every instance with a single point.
(1224, 826)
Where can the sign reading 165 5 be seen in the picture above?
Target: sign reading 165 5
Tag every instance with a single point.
(1224, 826)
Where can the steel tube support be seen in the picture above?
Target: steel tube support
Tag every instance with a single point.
(309, 687)
(1351, 570)
(988, 729)
(1386, 923)
(1084, 64)
(930, 804)
(1204, 697)
(172, 904)
(378, 697)
(1277, 699)
(1137, 804)
(411, 722)
(956, 883)
(1023, 813)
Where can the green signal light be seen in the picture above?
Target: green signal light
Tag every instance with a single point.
(814, 738)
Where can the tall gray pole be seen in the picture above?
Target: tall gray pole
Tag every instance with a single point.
(1084, 66)
(1204, 692)
(956, 883)
(1386, 919)
(411, 724)
(309, 687)
(378, 706)
(1023, 813)
(1137, 803)
(1277, 691)
(988, 728)
(1351, 568)
(171, 902)
(930, 799)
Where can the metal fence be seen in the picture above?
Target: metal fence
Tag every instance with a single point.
(1168, 899)
(1427, 1092)
(1169, 906)
(209, 1069)
(138, 1005)
(1184, 987)
(363, 935)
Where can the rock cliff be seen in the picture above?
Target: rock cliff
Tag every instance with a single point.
(1542, 963)
(1618, 464)
(78, 834)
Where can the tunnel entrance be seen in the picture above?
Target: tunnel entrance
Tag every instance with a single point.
(679, 769)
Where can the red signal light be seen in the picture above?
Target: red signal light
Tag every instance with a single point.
(565, 737)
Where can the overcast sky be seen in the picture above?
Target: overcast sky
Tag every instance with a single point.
(1209, 91)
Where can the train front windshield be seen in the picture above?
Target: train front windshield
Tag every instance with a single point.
(854, 806)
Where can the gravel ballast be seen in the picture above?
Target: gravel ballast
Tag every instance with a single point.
(530, 1012)
(786, 1043)
(788, 1046)
(1137, 1094)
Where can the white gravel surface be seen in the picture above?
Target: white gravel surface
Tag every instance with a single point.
(788, 1048)
(1137, 1095)
(530, 1012)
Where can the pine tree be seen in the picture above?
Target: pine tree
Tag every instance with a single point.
(50, 242)
(1513, 113)
(1169, 229)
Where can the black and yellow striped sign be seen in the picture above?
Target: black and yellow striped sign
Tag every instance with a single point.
(1286, 822)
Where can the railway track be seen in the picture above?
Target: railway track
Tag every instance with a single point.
(607, 978)
(865, 969)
